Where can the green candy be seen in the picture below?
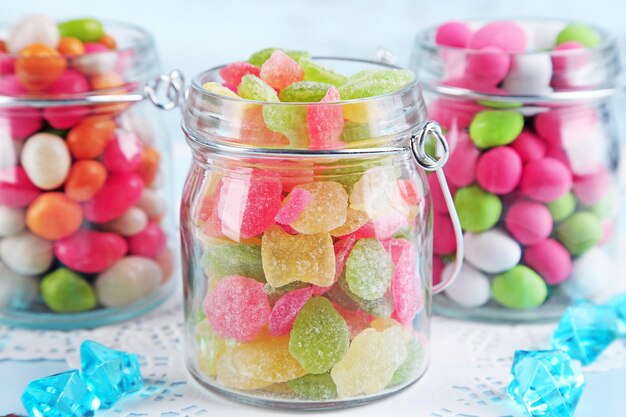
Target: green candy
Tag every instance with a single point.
(341, 294)
(478, 210)
(64, 291)
(355, 132)
(317, 72)
(374, 82)
(304, 92)
(252, 87)
(369, 269)
(580, 232)
(519, 288)
(496, 104)
(235, 259)
(491, 128)
(320, 337)
(314, 387)
(273, 293)
(605, 208)
(563, 207)
(580, 33)
(87, 30)
(412, 363)
(259, 58)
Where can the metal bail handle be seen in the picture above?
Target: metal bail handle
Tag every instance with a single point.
(171, 85)
(418, 142)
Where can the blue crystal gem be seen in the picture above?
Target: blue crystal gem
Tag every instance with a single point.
(546, 382)
(111, 374)
(619, 304)
(60, 395)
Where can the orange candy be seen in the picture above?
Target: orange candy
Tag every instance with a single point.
(70, 46)
(106, 81)
(149, 165)
(38, 66)
(53, 216)
(3, 46)
(85, 179)
(90, 136)
(108, 41)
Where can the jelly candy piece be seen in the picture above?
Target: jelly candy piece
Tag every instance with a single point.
(357, 320)
(235, 259)
(306, 258)
(280, 70)
(343, 248)
(314, 71)
(109, 373)
(491, 128)
(325, 122)
(404, 284)
(579, 232)
(546, 382)
(229, 376)
(237, 308)
(293, 206)
(64, 291)
(252, 87)
(274, 294)
(259, 58)
(374, 82)
(379, 307)
(247, 205)
(326, 212)
(304, 92)
(369, 269)
(319, 337)
(210, 348)
(60, 395)
(289, 120)
(519, 288)
(215, 88)
(355, 132)
(413, 362)
(355, 219)
(341, 297)
(286, 309)
(370, 363)
(585, 331)
(232, 73)
(377, 193)
(314, 387)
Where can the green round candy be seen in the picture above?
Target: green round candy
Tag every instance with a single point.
(235, 259)
(413, 362)
(497, 104)
(580, 33)
(369, 269)
(314, 387)
(304, 92)
(64, 291)
(563, 207)
(317, 72)
(320, 336)
(491, 128)
(580, 232)
(374, 82)
(519, 288)
(259, 58)
(87, 30)
(605, 208)
(478, 210)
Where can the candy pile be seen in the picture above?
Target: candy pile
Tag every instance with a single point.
(532, 185)
(79, 204)
(315, 286)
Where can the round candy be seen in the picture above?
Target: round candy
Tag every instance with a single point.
(69, 46)
(506, 35)
(369, 269)
(580, 232)
(26, 253)
(128, 280)
(39, 66)
(133, 221)
(550, 259)
(592, 275)
(461, 167)
(123, 153)
(86, 30)
(590, 189)
(149, 243)
(119, 193)
(90, 136)
(487, 67)
(530, 74)
(11, 221)
(33, 29)
(454, 33)
(444, 241)
(492, 251)
(491, 128)
(519, 288)
(545, 180)
(471, 287)
(90, 251)
(46, 160)
(64, 291)
(85, 179)
(529, 147)
(499, 170)
(568, 125)
(17, 292)
(54, 216)
(16, 189)
(152, 204)
(477, 209)
(562, 207)
(583, 34)
(528, 222)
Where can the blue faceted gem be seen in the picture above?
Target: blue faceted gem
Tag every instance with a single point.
(619, 304)
(546, 382)
(585, 330)
(60, 395)
(111, 374)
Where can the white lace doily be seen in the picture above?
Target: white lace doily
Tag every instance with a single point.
(470, 364)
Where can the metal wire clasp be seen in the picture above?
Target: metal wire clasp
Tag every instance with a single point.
(171, 85)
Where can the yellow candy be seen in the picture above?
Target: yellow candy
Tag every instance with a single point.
(326, 212)
(216, 88)
(383, 323)
(377, 193)
(354, 220)
(362, 112)
(369, 364)
(306, 258)
(228, 375)
(210, 348)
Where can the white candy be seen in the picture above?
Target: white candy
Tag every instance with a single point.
(11, 221)
(26, 253)
(530, 74)
(138, 124)
(151, 203)
(470, 289)
(128, 280)
(544, 35)
(33, 29)
(591, 275)
(133, 221)
(16, 291)
(46, 160)
(492, 251)
(95, 63)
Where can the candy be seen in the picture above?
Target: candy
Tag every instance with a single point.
(355, 219)
(16, 189)
(606, 207)
(590, 189)
(583, 34)
(519, 288)
(492, 251)
(280, 70)
(374, 82)
(123, 153)
(64, 291)
(562, 207)
(506, 35)
(471, 287)
(30, 30)
(411, 365)
(327, 210)
(39, 66)
(26, 253)
(454, 33)
(70, 46)
(86, 30)
(148, 168)
(491, 128)
(151, 203)
(210, 348)
(550, 259)
(545, 180)
(478, 210)
(530, 74)
(499, 170)
(405, 284)
(46, 160)
(128, 280)
(325, 123)
(85, 179)
(233, 72)
(17, 291)
(461, 167)
(528, 222)
(379, 307)
(12, 221)
(444, 241)
(90, 251)
(314, 387)
(219, 89)
(229, 376)
(235, 259)
(259, 58)
(119, 193)
(294, 205)
(149, 243)
(319, 337)
(369, 269)
(316, 72)
(592, 275)
(487, 67)
(579, 232)
(237, 308)
(288, 258)
(54, 216)
(304, 91)
(90, 136)
(285, 310)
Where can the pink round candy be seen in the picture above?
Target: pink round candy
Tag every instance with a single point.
(89, 251)
(590, 189)
(545, 180)
(94, 47)
(529, 147)
(71, 82)
(452, 113)
(11, 86)
(237, 308)
(234, 72)
(149, 243)
(119, 193)
(299, 199)
(506, 35)
(437, 269)
(499, 170)
(123, 153)
(528, 222)
(444, 241)
(407, 297)
(569, 56)
(456, 34)
(487, 67)
(558, 153)
(439, 202)
(286, 309)
(550, 260)
(16, 189)
(568, 124)
(461, 167)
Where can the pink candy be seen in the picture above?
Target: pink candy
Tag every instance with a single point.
(234, 72)
(90, 252)
(286, 309)
(505, 35)
(16, 189)
(454, 33)
(590, 189)
(487, 67)
(550, 260)
(439, 203)
(123, 153)
(343, 248)
(529, 147)
(499, 170)
(280, 70)
(94, 47)
(237, 308)
(437, 269)
(461, 167)
(325, 123)
(453, 113)
(70, 83)
(297, 201)
(404, 284)
(149, 243)
(444, 241)
(545, 180)
(528, 222)
(119, 193)
(568, 124)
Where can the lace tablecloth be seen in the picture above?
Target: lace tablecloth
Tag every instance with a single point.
(467, 376)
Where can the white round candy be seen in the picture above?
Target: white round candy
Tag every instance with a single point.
(46, 160)
(544, 35)
(26, 253)
(591, 275)
(470, 289)
(128, 280)
(33, 29)
(139, 125)
(16, 291)
(530, 74)
(151, 203)
(96, 63)
(11, 221)
(133, 221)
(492, 251)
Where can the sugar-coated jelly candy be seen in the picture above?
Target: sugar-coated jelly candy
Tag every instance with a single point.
(252, 87)
(237, 308)
(235, 259)
(325, 123)
(295, 203)
(119, 193)
(127, 281)
(374, 82)
(355, 219)
(304, 92)
(280, 70)
(233, 72)
(215, 88)
(90, 251)
(369, 269)
(54, 216)
(46, 160)
(229, 376)
(319, 337)
(318, 387)
(343, 247)
(286, 309)
(379, 307)
(26, 253)
(210, 348)
(377, 193)
(306, 258)
(405, 285)
(326, 211)
(64, 291)
(259, 58)
(314, 71)
(413, 362)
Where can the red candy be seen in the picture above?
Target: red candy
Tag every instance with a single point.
(590, 189)
(549, 259)
(456, 34)
(506, 35)
(297, 201)
(119, 193)
(529, 147)
(343, 248)
(528, 222)
(545, 180)
(123, 153)
(149, 243)
(90, 252)
(280, 70)
(286, 309)
(16, 189)
(499, 170)
(461, 167)
(444, 241)
(407, 297)
(437, 270)
(234, 72)
(325, 123)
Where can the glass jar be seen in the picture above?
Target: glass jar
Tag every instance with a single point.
(534, 170)
(317, 304)
(85, 232)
